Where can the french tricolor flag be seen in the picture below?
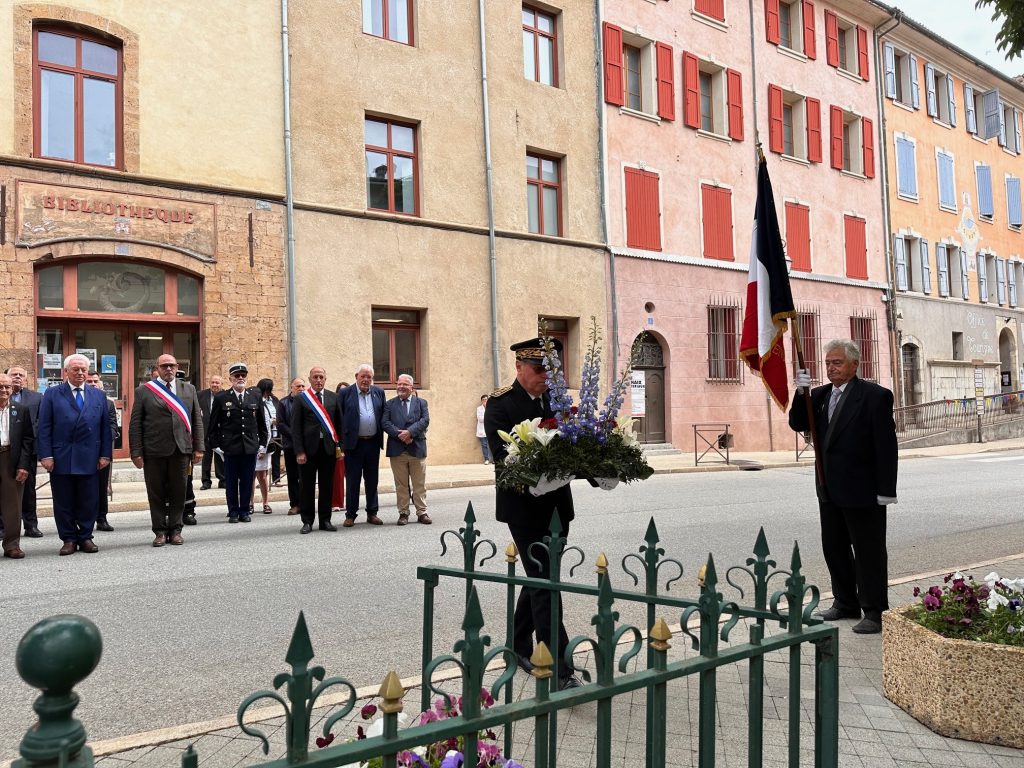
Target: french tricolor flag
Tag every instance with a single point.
(769, 300)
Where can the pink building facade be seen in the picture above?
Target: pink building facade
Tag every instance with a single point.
(690, 89)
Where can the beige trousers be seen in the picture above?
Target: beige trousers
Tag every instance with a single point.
(410, 471)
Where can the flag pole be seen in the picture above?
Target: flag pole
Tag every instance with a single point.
(818, 470)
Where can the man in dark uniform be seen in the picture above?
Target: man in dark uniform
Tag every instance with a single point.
(239, 432)
(528, 516)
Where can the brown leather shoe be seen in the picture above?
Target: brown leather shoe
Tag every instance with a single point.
(403, 519)
(68, 548)
(175, 539)
(293, 511)
(349, 522)
(159, 540)
(424, 518)
(374, 520)
(14, 554)
(88, 546)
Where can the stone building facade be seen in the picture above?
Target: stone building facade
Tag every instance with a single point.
(141, 208)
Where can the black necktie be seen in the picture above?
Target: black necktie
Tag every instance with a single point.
(320, 397)
(540, 405)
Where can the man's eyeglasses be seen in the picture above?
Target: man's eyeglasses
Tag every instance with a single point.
(168, 365)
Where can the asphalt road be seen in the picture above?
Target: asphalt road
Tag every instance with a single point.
(190, 631)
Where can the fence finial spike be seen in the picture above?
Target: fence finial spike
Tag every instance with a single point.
(300, 650)
(761, 545)
(602, 564)
(651, 537)
(470, 514)
(511, 553)
(542, 661)
(660, 635)
(391, 693)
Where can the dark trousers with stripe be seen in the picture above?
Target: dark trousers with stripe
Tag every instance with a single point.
(239, 473)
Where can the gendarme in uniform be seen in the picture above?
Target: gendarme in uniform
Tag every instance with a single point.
(237, 428)
(528, 516)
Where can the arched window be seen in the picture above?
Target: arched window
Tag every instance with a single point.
(77, 104)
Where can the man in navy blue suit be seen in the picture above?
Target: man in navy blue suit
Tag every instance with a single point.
(362, 434)
(74, 443)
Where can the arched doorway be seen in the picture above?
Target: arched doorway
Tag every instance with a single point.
(1007, 362)
(912, 384)
(122, 315)
(651, 362)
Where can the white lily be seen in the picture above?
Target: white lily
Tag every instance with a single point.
(525, 430)
(506, 437)
(624, 426)
(544, 436)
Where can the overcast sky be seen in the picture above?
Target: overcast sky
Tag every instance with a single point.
(958, 22)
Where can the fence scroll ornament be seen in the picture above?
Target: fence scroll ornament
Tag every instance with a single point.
(59, 653)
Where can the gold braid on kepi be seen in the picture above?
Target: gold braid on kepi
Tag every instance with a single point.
(532, 350)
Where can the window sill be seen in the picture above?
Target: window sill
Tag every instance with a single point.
(976, 137)
(850, 75)
(711, 21)
(854, 175)
(986, 219)
(947, 209)
(795, 159)
(791, 52)
(715, 136)
(907, 198)
(1010, 152)
(1013, 228)
(942, 123)
(641, 115)
(901, 105)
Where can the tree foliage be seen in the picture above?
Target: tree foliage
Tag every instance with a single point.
(1010, 38)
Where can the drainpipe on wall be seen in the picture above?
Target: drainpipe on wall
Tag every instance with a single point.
(293, 363)
(890, 292)
(491, 245)
(602, 151)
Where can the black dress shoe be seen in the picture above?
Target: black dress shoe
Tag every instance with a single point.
(33, 532)
(232, 519)
(103, 525)
(189, 520)
(245, 518)
(205, 486)
(835, 613)
(565, 683)
(524, 663)
(328, 527)
(222, 484)
(306, 528)
(868, 626)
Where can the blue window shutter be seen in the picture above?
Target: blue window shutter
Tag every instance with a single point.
(931, 100)
(915, 87)
(1013, 201)
(985, 205)
(890, 71)
(899, 250)
(972, 119)
(906, 167)
(992, 116)
(1016, 131)
(965, 284)
(952, 100)
(926, 267)
(982, 279)
(942, 262)
(1011, 281)
(1002, 125)
(1001, 280)
(947, 192)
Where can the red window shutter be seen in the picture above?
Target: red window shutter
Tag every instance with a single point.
(810, 46)
(831, 39)
(837, 136)
(666, 82)
(798, 236)
(813, 129)
(862, 53)
(614, 91)
(775, 143)
(869, 147)
(734, 86)
(643, 210)
(691, 91)
(856, 248)
(713, 8)
(771, 21)
(716, 206)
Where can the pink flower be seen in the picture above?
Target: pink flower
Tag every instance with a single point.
(931, 602)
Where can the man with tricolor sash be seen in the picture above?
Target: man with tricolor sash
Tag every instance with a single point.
(166, 437)
(317, 445)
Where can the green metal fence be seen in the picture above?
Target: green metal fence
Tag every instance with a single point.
(58, 653)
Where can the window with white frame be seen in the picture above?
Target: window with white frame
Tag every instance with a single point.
(849, 151)
(1014, 274)
(983, 176)
(913, 264)
(983, 282)
(959, 271)
(906, 166)
(1013, 202)
(901, 76)
(939, 99)
(792, 26)
(944, 169)
(849, 52)
(1000, 280)
(1009, 132)
(724, 323)
(942, 269)
(984, 112)
(717, 105)
(794, 124)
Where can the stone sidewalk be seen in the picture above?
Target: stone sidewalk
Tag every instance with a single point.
(873, 732)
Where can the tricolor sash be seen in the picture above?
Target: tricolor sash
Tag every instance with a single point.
(172, 401)
(318, 410)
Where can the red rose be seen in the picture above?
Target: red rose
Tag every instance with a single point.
(549, 424)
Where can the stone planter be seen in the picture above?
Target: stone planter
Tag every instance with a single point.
(958, 688)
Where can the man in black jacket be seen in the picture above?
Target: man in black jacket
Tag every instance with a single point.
(528, 517)
(317, 445)
(103, 476)
(239, 431)
(17, 452)
(856, 444)
(211, 460)
(285, 408)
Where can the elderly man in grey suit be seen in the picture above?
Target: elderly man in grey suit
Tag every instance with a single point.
(405, 420)
(166, 436)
